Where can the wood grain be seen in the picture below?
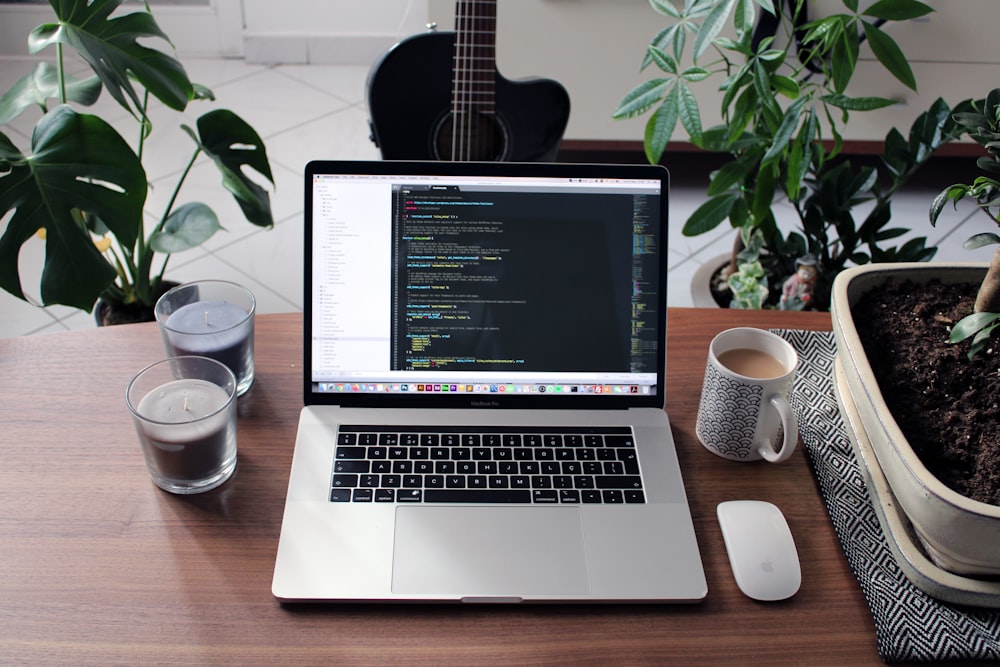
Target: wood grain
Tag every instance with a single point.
(98, 566)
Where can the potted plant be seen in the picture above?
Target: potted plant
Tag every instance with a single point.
(784, 105)
(927, 404)
(82, 186)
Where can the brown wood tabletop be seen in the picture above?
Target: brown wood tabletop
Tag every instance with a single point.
(97, 565)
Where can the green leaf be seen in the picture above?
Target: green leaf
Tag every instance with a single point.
(695, 74)
(687, 109)
(981, 240)
(186, 227)
(641, 98)
(767, 6)
(233, 144)
(784, 133)
(659, 129)
(732, 173)
(898, 10)
(954, 193)
(786, 85)
(665, 7)
(744, 17)
(111, 47)
(662, 60)
(709, 215)
(763, 195)
(41, 85)
(844, 56)
(890, 55)
(971, 325)
(712, 26)
(78, 162)
(857, 103)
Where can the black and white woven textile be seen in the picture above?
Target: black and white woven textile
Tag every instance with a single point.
(909, 624)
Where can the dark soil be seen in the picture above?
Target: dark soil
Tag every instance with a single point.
(947, 406)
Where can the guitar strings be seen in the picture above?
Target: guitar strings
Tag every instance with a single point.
(474, 19)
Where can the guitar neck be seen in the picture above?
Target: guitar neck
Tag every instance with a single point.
(474, 82)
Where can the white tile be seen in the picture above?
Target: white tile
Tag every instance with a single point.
(210, 267)
(21, 317)
(273, 259)
(341, 135)
(347, 82)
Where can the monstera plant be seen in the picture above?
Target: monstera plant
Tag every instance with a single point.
(82, 186)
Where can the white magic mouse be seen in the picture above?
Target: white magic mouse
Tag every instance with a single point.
(761, 550)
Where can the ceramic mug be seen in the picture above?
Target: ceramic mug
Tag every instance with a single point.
(744, 413)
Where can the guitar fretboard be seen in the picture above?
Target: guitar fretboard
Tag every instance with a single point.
(473, 79)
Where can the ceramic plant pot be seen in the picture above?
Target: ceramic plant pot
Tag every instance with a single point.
(958, 534)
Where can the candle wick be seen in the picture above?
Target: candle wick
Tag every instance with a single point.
(186, 404)
(206, 319)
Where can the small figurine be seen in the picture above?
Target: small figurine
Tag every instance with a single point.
(797, 291)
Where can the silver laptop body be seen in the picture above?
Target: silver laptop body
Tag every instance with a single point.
(474, 309)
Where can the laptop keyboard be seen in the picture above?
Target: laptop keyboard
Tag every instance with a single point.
(383, 464)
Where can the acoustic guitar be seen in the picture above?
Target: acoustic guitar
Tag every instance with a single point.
(439, 96)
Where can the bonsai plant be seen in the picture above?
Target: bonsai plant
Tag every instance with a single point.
(82, 186)
(921, 367)
(982, 123)
(784, 106)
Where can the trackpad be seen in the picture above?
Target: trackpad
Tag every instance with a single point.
(489, 551)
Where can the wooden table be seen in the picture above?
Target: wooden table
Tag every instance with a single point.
(97, 565)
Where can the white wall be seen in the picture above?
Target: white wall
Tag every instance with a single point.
(328, 31)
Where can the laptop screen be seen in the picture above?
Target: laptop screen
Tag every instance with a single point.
(491, 285)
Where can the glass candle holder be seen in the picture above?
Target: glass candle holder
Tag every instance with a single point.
(184, 410)
(214, 319)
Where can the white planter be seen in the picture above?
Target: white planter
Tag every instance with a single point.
(959, 535)
(701, 282)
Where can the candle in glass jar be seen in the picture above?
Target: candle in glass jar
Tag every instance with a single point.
(210, 329)
(185, 430)
(214, 319)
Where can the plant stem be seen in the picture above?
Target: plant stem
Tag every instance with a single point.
(146, 255)
(61, 73)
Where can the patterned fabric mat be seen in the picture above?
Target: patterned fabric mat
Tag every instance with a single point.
(909, 624)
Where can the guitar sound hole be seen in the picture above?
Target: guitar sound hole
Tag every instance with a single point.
(470, 137)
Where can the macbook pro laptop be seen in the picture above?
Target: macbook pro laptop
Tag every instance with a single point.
(484, 389)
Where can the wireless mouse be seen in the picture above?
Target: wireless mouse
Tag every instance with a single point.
(761, 549)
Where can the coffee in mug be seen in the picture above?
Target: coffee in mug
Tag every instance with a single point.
(752, 363)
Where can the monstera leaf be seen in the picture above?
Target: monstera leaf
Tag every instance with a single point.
(110, 47)
(78, 163)
(42, 84)
(233, 144)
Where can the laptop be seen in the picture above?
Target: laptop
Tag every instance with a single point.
(484, 389)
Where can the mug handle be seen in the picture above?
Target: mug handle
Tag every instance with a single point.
(790, 428)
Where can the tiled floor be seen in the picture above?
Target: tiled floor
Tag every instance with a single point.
(317, 111)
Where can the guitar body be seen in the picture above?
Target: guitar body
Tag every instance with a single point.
(410, 108)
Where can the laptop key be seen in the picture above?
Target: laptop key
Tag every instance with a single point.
(345, 480)
(633, 496)
(409, 496)
(618, 481)
(340, 495)
(350, 452)
(363, 495)
(590, 496)
(569, 496)
(477, 496)
(385, 495)
(351, 466)
(612, 496)
(546, 496)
